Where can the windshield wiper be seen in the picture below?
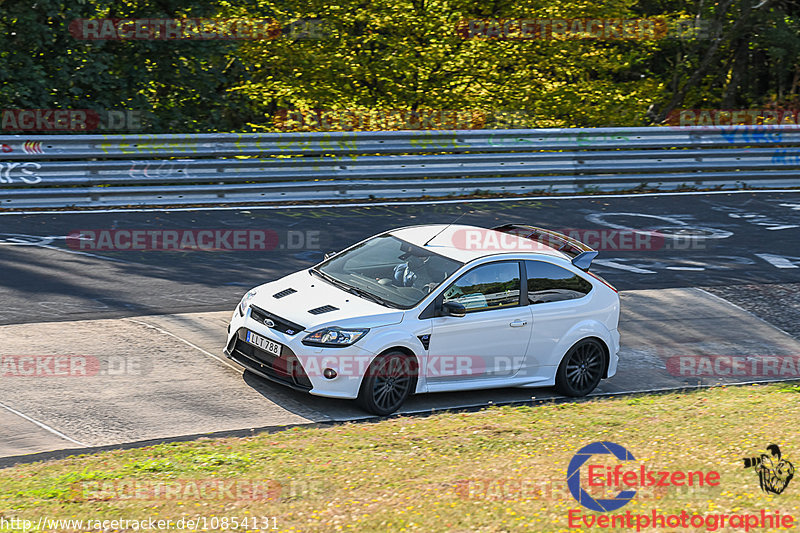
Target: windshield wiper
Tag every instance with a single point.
(330, 279)
(352, 289)
(370, 296)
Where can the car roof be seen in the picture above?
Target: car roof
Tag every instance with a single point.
(467, 243)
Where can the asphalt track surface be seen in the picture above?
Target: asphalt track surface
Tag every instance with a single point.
(161, 314)
(710, 240)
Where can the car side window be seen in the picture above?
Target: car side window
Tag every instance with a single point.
(551, 283)
(491, 286)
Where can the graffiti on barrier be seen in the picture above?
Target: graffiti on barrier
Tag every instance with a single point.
(158, 169)
(785, 157)
(24, 172)
(759, 135)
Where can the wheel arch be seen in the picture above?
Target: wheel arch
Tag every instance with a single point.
(365, 398)
(408, 353)
(586, 329)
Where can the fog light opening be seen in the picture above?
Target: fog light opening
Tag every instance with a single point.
(329, 373)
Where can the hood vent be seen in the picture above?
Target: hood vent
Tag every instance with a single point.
(323, 309)
(285, 292)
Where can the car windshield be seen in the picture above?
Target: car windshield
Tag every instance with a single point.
(388, 270)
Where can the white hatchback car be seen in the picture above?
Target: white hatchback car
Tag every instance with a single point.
(434, 308)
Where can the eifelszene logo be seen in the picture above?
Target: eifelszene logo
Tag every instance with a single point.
(606, 466)
(618, 477)
(574, 477)
(774, 472)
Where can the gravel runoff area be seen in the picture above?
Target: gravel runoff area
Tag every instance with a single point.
(778, 303)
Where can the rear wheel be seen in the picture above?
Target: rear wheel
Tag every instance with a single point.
(581, 369)
(388, 383)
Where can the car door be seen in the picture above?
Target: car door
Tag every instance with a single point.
(558, 300)
(490, 340)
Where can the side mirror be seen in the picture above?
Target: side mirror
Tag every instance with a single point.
(453, 309)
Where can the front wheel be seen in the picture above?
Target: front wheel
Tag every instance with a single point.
(581, 369)
(388, 383)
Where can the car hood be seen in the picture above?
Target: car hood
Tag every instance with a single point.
(312, 293)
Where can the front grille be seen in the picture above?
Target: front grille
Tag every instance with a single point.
(323, 309)
(280, 324)
(285, 369)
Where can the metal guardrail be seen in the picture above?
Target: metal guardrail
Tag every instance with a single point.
(114, 170)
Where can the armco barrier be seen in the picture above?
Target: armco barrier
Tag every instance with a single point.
(115, 170)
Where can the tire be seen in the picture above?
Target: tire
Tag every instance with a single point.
(390, 379)
(581, 369)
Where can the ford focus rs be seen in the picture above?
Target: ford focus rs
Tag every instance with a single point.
(431, 309)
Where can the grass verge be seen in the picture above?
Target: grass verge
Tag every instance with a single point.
(500, 469)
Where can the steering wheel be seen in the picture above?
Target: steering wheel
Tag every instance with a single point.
(428, 287)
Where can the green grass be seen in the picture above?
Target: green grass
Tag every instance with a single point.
(500, 469)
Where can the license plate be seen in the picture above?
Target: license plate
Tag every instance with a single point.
(264, 343)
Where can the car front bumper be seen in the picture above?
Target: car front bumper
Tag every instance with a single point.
(299, 366)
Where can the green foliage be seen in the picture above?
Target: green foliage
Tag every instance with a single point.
(176, 460)
(399, 55)
(789, 387)
(64, 485)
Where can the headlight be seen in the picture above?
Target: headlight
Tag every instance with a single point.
(245, 301)
(334, 337)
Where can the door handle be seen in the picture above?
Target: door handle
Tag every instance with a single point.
(518, 323)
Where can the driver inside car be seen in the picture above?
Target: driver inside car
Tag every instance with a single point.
(414, 273)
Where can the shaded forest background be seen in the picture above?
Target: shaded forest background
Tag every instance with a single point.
(402, 55)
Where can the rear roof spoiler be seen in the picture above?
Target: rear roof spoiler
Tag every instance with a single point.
(581, 254)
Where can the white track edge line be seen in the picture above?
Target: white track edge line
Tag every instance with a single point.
(746, 311)
(43, 426)
(395, 203)
(196, 347)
